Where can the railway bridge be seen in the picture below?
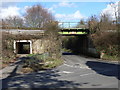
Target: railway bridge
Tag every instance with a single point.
(78, 37)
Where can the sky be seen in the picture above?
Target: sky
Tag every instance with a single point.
(62, 11)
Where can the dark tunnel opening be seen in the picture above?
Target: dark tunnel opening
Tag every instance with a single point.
(23, 47)
(75, 44)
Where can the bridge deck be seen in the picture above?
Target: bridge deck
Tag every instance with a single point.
(74, 31)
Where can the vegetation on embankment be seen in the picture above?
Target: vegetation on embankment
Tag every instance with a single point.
(7, 54)
(110, 58)
(44, 21)
(107, 45)
(39, 62)
(104, 37)
(104, 34)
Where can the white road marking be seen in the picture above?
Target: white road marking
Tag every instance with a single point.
(87, 74)
(80, 66)
(69, 65)
(67, 72)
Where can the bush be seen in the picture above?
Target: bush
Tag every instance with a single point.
(108, 57)
(7, 47)
(33, 62)
(52, 63)
(27, 70)
(36, 63)
(107, 43)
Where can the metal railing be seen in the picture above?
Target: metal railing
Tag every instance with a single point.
(69, 25)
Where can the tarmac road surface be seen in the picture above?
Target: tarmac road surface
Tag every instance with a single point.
(76, 72)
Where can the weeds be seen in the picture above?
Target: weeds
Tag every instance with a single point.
(40, 62)
(108, 57)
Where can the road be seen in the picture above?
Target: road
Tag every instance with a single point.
(76, 72)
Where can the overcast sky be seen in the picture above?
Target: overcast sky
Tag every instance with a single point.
(62, 10)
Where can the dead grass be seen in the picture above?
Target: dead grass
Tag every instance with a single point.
(27, 70)
(5, 63)
(110, 58)
(35, 63)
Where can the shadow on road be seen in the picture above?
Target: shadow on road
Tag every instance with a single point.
(44, 79)
(41, 79)
(13, 73)
(106, 69)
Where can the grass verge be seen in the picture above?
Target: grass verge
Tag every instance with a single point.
(111, 58)
(52, 63)
(40, 62)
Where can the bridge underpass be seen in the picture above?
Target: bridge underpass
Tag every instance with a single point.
(74, 39)
(75, 44)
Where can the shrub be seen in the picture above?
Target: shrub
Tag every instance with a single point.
(36, 63)
(107, 43)
(7, 47)
(52, 63)
(33, 63)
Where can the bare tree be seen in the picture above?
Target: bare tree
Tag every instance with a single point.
(106, 22)
(81, 24)
(116, 10)
(12, 22)
(93, 24)
(101, 23)
(54, 41)
(103, 39)
(37, 17)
